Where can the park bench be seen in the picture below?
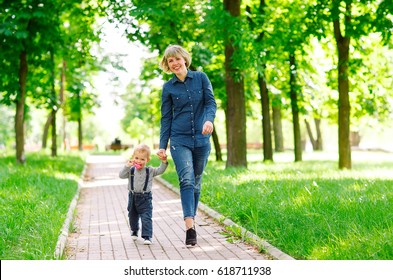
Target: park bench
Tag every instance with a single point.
(117, 147)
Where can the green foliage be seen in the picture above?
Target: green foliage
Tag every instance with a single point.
(142, 104)
(197, 25)
(372, 83)
(57, 38)
(150, 22)
(310, 210)
(53, 32)
(367, 25)
(34, 201)
(80, 34)
(265, 35)
(383, 22)
(35, 29)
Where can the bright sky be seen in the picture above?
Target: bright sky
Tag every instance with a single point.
(109, 115)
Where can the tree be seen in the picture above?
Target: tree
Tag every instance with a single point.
(316, 142)
(82, 97)
(350, 20)
(205, 26)
(235, 110)
(284, 42)
(343, 42)
(77, 64)
(33, 39)
(156, 24)
(293, 94)
(141, 104)
(23, 25)
(262, 82)
(277, 123)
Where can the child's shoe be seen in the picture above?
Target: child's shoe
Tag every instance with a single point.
(147, 241)
(134, 235)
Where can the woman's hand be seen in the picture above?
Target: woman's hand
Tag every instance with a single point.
(162, 154)
(207, 128)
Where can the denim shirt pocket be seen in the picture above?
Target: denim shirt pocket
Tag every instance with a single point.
(197, 94)
(179, 100)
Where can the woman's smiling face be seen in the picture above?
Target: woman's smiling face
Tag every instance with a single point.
(177, 64)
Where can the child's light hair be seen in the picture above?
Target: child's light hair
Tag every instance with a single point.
(174, 51)
(142, 148)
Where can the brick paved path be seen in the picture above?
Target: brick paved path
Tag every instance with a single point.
(102, 232)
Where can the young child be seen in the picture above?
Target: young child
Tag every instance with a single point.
(140, 181)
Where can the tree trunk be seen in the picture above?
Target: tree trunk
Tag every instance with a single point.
(344, 146)
(20, 110)
(277, 128)
(316, 142)
(295, 108)
(265, 104)
(54, 135)
(80, 134)
(217, 146)
(46, 130)
(235, 112)
(54, 107)
(310, 135)
(80, 130)
(62, 99)
(266, 127)
(319, 143)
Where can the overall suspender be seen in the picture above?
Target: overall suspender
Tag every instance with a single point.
(132, 179)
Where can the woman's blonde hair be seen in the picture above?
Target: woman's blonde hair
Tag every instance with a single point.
(174, 51)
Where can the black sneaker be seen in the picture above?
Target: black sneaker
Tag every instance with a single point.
(134, 235)
(191, 237)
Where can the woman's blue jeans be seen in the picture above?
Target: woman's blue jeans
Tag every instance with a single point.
(190, 163)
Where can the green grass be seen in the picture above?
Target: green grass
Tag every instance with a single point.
(34, 201)
(310, 209)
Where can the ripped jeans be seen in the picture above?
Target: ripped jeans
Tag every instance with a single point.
(190, 164)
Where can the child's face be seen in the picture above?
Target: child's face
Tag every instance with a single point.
(140, 158)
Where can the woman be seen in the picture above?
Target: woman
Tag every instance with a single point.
(188, 109)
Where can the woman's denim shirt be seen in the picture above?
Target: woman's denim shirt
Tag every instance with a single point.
(185, 107)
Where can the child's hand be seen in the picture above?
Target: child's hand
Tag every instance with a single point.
(162, 155)
(130, 163)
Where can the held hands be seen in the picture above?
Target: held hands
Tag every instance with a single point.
(162, 155)
(207, 127)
